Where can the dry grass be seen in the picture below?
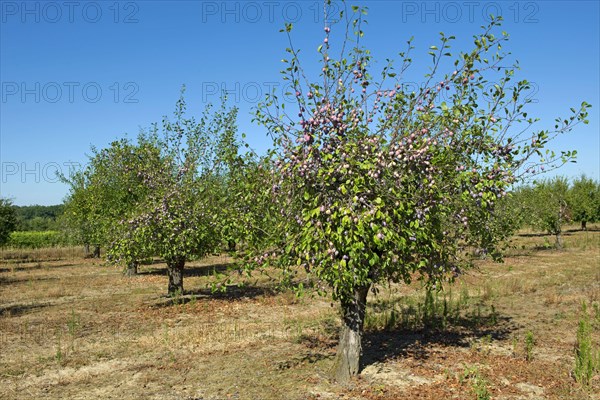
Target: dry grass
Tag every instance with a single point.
(18, 256)
(73, 328)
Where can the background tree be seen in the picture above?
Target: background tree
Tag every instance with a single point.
(547, 203)
(508, 215)
(118, 178)
(246, 203)
(520, 201)
(381, 184)
(107, 190)
(8, 220)
(78, 222)
(231, 173)
(180, 217)
(584, 200)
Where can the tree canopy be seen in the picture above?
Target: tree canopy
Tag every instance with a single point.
(8, 220)
(377, 183)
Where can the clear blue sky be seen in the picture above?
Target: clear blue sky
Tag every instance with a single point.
(86, 73)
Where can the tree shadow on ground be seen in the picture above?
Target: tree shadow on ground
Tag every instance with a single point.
(15, 310)
(543, 247)
(237, 292)
(229, 293)
(7, 280)
(588, 229)
(383, 345)
(310, 357)
(191, 271)
(38, 266)
(569, 232)
(539, 234)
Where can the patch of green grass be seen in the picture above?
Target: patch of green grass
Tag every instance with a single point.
(479, 384)
(529, 345)
(596, 307)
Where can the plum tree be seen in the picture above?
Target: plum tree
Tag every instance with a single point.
(107, 190)
(242, 190)
(547, 203)
(119, 173)
(78, 220)
(247, 212)
(377, 183)
(162, 195)
(584, 200)
(179, 218)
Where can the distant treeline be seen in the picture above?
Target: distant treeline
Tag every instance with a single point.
(38, 218)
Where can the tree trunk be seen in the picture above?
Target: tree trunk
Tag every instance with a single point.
(96, 253)
(231, 246)
(349, 349)
(175, 272)
(583, 225)
(559, 241)
(132, 269)
(86, 250)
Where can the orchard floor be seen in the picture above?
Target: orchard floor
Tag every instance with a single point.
(76, 329)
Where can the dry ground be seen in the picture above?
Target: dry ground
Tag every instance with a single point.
(76, 329)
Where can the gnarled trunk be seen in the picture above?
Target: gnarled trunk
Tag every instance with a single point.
(86, 250)
(583, 225)
(349, 349)
(96, 253)
(132, 269)
(175, 272)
